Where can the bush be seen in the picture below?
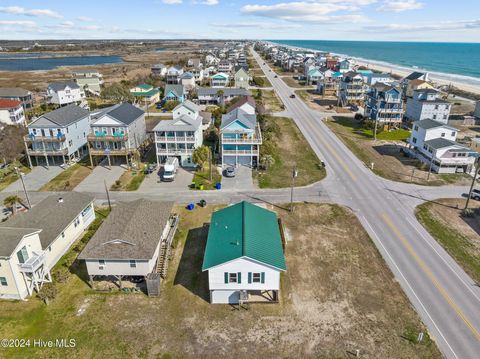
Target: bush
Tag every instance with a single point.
(48, 292)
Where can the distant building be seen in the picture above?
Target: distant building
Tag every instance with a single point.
(187, 79)
(174, 92)
(224, 66)
(219, 80)
(59, 136)
(242, 79)
(384, 105)
(415, 85)
(352, 89)
(19, 94)
(34, 241)
(12, 112)
(373, 78)
(159, 70)
(116, 132)
(434, 143)
(89, 81)
(476, 113)
(219, 96)
(244, 255)
(426, 104)
(65, 93)
(145, 94)
(173, 74)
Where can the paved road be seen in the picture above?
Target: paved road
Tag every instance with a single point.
(446, 298)
(35, 179)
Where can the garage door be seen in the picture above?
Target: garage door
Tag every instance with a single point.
(245, 160)
(229, 160)
(225, 297)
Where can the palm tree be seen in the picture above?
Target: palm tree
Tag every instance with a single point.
(11, 202)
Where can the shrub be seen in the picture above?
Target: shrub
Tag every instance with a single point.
(48, 292)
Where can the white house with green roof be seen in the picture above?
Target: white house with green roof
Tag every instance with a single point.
(219, 80)
(244, 255)
(145, 93)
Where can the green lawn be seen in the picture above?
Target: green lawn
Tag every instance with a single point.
(8, 175)
(68, 179)
(130, 180)
(394, 135)
(202, 178)
(454, 242)
(289, 148)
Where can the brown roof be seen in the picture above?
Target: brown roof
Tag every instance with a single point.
(417, 82)
(131, 231)
(243, 100)
(10, 103)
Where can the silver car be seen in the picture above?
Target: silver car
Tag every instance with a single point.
(230, 171)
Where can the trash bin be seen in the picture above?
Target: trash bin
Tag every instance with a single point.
(201, 187)
(218, 186)
(203, 203)
(194, 185)
(190, 206)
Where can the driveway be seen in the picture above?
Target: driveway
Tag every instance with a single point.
(153, 184)
(96, 180)
(35, 179)
(242, 181)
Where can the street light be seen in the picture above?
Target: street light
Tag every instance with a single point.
(473, 182)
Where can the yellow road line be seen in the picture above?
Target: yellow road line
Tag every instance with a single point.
(434, 280)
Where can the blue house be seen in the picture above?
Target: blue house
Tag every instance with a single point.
(174, 92)
(314, 75)
(240, 138)
(384, 105)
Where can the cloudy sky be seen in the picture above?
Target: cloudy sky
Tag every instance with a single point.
(402, 20)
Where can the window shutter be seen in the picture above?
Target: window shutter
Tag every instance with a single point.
(226, 277)
(249, 277)
(262, 277)
(239, 277)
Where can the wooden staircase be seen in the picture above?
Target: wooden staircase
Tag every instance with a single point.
(165, 247)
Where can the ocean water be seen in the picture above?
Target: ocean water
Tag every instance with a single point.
(49, 63)
(461, 59)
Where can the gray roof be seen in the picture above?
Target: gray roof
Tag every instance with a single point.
(62, 116)
(190, 124)
(189, 105)
(227, 91)
(437, 143)
(414, 75)
(124, 112)
(428, 124)
(13, 92)
(187, 76)
(58, 86)
(11, 237)
(51, 215)
(178, 89)
(131, 231)
(248, 120)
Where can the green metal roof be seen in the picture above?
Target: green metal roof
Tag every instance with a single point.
(145, 94)
(244, 230)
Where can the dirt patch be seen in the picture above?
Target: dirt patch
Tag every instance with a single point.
(321, 103)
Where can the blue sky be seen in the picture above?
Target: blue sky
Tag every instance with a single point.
(391, 20)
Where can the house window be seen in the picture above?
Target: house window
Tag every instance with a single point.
(454, 155)
(232, 277)
(3, 281)
(22, 255)
(453, 133)
(443, 134)
(256, 277)
(70, 143)
(101, 263)
(414, 140)
(133, 263)
(434, 117)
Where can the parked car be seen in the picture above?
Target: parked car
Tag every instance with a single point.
(276, 76)
(475, 194)
(170, 169)
(292, 95)
(229, 171)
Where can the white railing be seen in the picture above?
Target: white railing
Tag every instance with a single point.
(175, 139)
(240, 152)
(33, 263)
(173, 151)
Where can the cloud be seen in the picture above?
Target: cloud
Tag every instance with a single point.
(400, 5)
(17, 10)
(309, 11)
(28, 24)
(84, 19)
(209, 2)
(437, 26)
(256, 25)
(172, 2)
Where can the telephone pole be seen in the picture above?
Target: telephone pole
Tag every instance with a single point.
(294, 175)
(108, 195)
(473, 182)
(20, 174)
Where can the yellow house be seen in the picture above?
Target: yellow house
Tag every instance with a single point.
(417, 85)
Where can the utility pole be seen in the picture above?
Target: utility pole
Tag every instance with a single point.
(473, 182)
(375, 131)
(108, 195)
(210, 161)
(430, 169)
(19, 174)
(294, 175)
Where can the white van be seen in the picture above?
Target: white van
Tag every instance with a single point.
(170, 169)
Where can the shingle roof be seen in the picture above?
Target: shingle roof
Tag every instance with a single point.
(242, 101)
(177, 89)
(414, 75)
(428, 124)
(131, 231)
(437, 143)
(58, 86)
(7, 104)
(244, 230)
(63, 116)
(238, 114)
(189, 124)
(227, 91)
(10, 237)
(13, 92)
(125, 113)
(189, 105)
(51, 215)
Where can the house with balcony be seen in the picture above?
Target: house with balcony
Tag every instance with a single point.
(116, 133)
(224, 66)
(174, 92)
(384, 105)
(352, 89)
(12, 112)
(58, 137)
(374, 77)
(187, 79)
(145, 94)
(19, 94)
(173, 74)
(417, 84)
(179, 136)
(314, 75)
(65, 93)
(219, 96)
(426, 104)
(219, 80)
(244, 255)
(345, 65)
(158, 70)
(89, 81)
(240, 138)
(32, 242)
(433, 143)
(327, 85)
(242, 79)
(135, 240)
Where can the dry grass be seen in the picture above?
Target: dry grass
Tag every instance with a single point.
(337, 296)
(388, 161)
(269, 100)
(129, 180)
(68, 179)
(290, 81)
